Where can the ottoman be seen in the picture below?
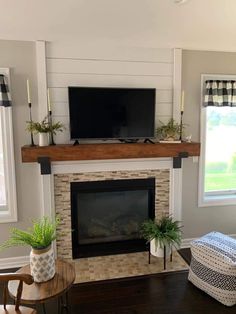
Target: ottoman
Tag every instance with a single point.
(213, 266)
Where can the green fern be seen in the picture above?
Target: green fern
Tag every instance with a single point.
(39, 236)
(170, 130)
(45, 126)
(166, 231)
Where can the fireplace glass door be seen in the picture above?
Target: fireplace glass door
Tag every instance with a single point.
(106, 215)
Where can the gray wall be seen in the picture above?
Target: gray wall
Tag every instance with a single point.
(20, 57)
(200, 220)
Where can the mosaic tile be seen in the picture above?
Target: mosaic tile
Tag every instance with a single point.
(62, 197)
(123, 265)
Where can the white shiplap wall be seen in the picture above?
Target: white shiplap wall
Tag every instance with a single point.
(67, 65)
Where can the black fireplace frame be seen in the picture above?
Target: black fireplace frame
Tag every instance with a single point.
(117, 247)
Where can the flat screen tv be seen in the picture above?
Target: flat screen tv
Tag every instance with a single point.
(111, 113)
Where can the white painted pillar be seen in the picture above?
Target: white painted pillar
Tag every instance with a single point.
(176, 174)
(46, 181)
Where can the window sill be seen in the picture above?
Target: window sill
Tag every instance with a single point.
(217, 200)
(6, 217)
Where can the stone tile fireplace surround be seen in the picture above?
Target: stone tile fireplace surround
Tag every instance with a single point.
(62, 196)
(55, 192)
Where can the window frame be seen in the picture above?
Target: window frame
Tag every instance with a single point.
(10, 212)
(210, 198)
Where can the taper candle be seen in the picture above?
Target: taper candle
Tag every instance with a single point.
(28, 92)
(182, 102)
(49, 101)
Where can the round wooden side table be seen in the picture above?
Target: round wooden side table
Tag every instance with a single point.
(57, 287)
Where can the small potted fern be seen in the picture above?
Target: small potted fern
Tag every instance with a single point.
(170, 131)
(43, 128)
(40, 238)
(161, 233)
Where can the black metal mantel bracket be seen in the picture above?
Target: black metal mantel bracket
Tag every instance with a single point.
(45, 165)
(177, 161)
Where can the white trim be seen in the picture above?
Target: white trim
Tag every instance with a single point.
(176, 194)
(185, 243)
(14, 262)
(203, 199)
(176, 174)
(10, 215)
(111, 165)
(177, 83)
(201, 186)
(46, 190)
(48, 195)
(219, 200)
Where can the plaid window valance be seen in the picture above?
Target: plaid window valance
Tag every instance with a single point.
(5, 97)
(220, 93)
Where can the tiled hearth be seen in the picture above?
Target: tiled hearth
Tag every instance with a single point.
(124, 265)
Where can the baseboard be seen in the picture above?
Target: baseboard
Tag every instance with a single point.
(19, 261)
(186, 242)
(13, 262)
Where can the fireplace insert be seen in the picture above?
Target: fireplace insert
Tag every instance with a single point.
(106, 215)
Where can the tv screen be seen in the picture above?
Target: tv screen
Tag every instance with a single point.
(111, 113)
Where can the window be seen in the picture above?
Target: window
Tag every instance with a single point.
(8, 210)
(3, 200)
(217, 177)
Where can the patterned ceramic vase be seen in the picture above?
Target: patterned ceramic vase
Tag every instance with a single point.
(42, 264)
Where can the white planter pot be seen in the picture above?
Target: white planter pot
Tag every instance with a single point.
(43, 139)
(157, 251)
(42, 264)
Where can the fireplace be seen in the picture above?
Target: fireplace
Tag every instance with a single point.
(106, 215)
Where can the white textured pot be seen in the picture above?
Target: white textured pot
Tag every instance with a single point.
(42, 264)
(43, 139)
(157, 251)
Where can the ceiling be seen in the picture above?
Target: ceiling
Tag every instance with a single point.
(195, 24)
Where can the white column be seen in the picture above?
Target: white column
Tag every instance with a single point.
(176, 174)
(176, 193)
(46, 181)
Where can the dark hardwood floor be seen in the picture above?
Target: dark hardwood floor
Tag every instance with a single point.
(161, 293)
(152, 294)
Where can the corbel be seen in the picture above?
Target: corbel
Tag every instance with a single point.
(177, 161)
(45, 165)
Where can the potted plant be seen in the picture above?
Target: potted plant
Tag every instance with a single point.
(161, 233)
(169, 131)
(40, 237)
(43, 128)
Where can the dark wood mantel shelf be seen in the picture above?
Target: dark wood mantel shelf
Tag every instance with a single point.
(108, 151)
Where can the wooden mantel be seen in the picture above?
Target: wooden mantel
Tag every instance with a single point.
(68, 152)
